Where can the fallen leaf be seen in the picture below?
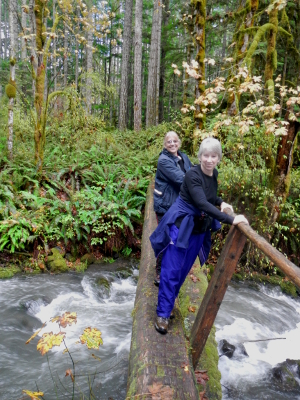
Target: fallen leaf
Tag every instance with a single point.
(192, 308)
(160, 392)
(70, 374)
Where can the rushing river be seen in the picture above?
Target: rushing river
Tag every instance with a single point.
(28, 301)
(251, 314)
(246, 314)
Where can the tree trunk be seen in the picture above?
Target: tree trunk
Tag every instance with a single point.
(5, 29)
(33, 57)
(1, 55)
(282, 173)
(200, 18)
(77, 48)
(24, 26)
(158, 63)
(11, 87)
(138, 65)
(125, 64)
(89, 66)
(152, 70)
(162, 79)
(65, 55)
(271, 59)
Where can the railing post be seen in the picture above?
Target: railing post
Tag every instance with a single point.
(215, 292)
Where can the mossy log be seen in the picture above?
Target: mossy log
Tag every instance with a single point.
(161, 361)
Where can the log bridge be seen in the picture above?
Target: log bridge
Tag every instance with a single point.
(174, 366)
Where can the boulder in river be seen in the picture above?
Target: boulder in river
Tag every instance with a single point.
(228, 349)
(287, 374)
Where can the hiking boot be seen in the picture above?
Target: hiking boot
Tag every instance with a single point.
(157, 280)
(161, 324)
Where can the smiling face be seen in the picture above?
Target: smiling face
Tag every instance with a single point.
(209, 161)
(172, 143)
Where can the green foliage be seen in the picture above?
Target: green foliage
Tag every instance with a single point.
(91, 191)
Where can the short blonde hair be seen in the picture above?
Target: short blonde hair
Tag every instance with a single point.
(169, 134)
(212, 145)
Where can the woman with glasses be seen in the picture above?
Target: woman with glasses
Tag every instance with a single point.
(184, 231)
(171, 168)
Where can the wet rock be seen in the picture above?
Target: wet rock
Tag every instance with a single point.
(88, 258)
(226, 349)
(104, 286)
(286, 375)
(124, 272)
(33, 306)
(56, 262)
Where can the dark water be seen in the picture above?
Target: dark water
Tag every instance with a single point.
(249, 313)
(28, 301)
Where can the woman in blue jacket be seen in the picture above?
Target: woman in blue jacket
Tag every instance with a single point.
(184, 231)
(171, 168)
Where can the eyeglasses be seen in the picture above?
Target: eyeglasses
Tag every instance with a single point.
(172, 141)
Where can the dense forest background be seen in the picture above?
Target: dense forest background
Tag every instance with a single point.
(88, 90)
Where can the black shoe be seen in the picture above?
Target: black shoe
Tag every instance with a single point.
(161, 324)
(157, 280)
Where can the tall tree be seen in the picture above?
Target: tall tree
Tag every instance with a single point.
(89, 63)
(200, 19)
(125, 64)
(138, 65)
(153, 66)
(271, 58)
(11, 87)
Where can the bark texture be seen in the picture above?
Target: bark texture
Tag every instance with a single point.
(138, 65)
(123, 112)
(200, 18)
(153, 65)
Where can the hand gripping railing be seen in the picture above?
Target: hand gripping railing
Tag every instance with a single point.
(221, 277)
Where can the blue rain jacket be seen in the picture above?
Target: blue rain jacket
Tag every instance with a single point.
(160, 238)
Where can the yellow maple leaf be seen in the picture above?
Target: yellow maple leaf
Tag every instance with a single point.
(92, 338)
(34, 395)
(49, 340)
(68, 318)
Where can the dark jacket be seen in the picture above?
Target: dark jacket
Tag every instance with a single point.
(168, 180)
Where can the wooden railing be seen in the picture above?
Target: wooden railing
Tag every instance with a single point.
(221, 277)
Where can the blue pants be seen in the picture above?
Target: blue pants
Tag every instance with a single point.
(175, 266)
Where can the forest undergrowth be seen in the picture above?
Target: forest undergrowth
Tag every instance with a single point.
(90, 195)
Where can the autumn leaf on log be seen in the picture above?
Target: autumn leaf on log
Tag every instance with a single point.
(202, 396)
(34, 395)
(160, 392)
(49, 340)
(35, 333)
(201, 377)
(68, 318)
(70, 374)
(194, 278)
(92, 338)
(192, 308)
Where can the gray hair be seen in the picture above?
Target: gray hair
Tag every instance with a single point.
(212, 145)
(168, 134)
